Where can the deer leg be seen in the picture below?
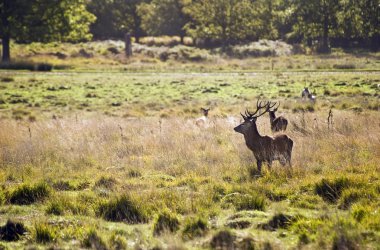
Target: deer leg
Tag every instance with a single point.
(270, 165)
(259, 163)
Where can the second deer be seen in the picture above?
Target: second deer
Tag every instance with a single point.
(276, 123)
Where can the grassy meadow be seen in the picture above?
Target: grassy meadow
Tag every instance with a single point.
(115, 160)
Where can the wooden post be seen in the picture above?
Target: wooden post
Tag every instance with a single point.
(128, 45)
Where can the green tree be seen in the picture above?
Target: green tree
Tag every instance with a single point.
(316, 19)
(164, 17)
(115, 18)
(228, 21)
(43, 21)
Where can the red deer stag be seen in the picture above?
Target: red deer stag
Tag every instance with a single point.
(265, 148)
(276, 123)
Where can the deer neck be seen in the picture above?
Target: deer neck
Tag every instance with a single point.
(253, 138)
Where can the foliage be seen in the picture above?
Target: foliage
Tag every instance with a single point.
(331, 190)
(163, 17)
(227, 21)
(195, 227)
(12, 231)
(27, 194)
(44, 233)
(44, 21)
(122, 209)
(165, 222)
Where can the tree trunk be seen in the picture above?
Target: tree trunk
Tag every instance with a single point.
(6, 56)
(182, 36)
(128, 45)
(325, 47)
(6, 50)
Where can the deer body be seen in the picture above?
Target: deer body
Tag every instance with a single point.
(266, 149)
(307, 94)
(202, 121)
(277, 123)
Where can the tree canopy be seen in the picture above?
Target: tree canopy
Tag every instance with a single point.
(317, 23)
(43, 21)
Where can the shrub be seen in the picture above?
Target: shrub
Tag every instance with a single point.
(195, 227)
(7, 79)
(279, 221)
(12, 231)
(106, 182)
(94, 241)
(118, 242)
(26, 194)
(122, 209)
(44, 233)
(63, 186)
(344, 66)
(165, 222)
(331, 190)
(350, 196)
(223, 240)
(251, 201)
(55, 208)
(26, 66)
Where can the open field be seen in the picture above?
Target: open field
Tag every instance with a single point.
(115, 160)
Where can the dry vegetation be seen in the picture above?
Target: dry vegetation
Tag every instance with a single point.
(115, 160)
(146, 182)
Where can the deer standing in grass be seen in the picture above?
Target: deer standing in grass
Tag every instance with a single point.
(309, 95)
(277, 123)
(201, 121)
(265, 148)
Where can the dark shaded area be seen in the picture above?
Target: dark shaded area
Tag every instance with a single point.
(278, 221)
(12, 231)
(331, 190)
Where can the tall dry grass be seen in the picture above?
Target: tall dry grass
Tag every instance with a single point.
(175, 146)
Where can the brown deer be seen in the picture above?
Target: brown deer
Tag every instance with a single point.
(265, 148)
(277, 123)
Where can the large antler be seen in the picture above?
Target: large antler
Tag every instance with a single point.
(259, 106)
(273, 106)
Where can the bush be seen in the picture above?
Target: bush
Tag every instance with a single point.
(195, 227)
(165, 222)
(122, 209)
(106, 182)
(118, 242)
(63, 186)
(331, 190)
(26, 194)
(250, 202)
(279, 221)
(12, 231)
(27, 66)
(223, 240)
(55, 208)
(44, 233)
(344, 66)
(94, 241)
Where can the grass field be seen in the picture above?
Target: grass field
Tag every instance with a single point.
(114, 160)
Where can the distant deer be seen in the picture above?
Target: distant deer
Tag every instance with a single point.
(203, 119)
(307, 94)
(265, 148)
(277, 123)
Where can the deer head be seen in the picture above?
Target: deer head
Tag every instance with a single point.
(205, 111)
(251, 118)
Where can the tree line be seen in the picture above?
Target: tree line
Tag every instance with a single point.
(317, 23)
